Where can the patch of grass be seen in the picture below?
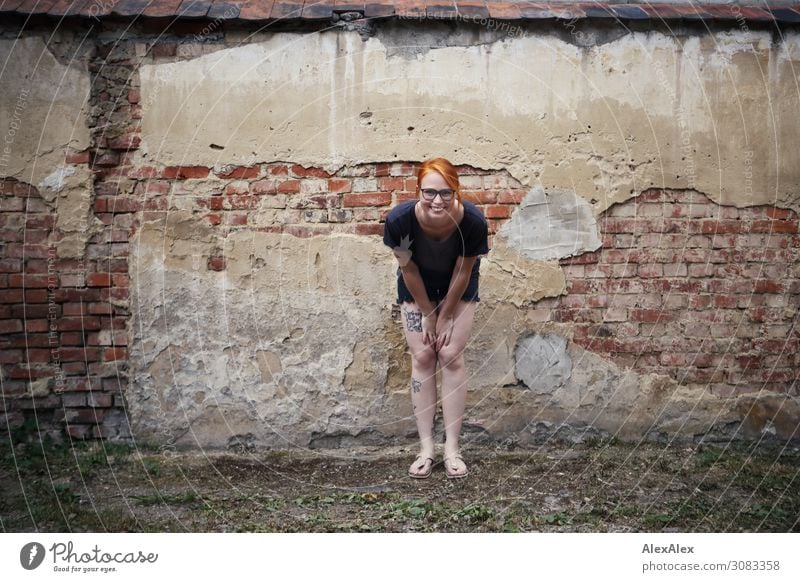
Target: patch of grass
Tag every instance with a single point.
(151, 467)
(473, 514)
(407, 509)
(67, 490)
(558, 518)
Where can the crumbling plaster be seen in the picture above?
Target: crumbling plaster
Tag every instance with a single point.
(43, 106)
(293, 345)
(704, 111)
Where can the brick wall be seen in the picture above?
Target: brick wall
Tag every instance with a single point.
(707, 294)
(62, 341)
(682, 286)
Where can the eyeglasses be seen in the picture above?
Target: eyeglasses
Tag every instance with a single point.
(430, 194)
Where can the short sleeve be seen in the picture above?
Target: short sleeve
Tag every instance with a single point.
(391, 232)
(476, 240)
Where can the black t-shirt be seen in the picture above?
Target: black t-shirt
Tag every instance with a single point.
(436, 259)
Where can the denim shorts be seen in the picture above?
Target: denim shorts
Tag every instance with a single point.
(437, 294)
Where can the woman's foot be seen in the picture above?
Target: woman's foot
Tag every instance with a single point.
(454, 466)
(422, 466)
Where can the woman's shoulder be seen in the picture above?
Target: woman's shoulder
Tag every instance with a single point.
(472, 212)
(401, 211)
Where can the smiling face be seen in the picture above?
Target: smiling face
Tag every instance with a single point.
(437, 206)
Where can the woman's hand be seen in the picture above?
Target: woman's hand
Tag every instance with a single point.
(444, 331)
(429, 328)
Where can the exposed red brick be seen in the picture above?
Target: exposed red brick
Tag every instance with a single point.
(511, 196)
(339, 185)
(239, 173)
(390, 184)
(98, 280)
(74, 157)
(289, 186)
(185, 172)
(774, 226)
(114, 354)
(367, 199)
(216, 263)
(369, 229)
(312, 172)
(479, 196)
(125, 142)
(498, 211)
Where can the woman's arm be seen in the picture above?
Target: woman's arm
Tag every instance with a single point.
(458, 284)
(416, 287)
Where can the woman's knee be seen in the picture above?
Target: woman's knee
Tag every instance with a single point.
(424, 358)
(451, 356)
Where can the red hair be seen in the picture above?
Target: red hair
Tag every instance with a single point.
(445, 168)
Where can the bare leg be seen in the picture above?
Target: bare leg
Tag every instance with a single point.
(454, 384)
(422, 385)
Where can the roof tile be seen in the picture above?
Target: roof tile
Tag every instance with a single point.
(756, 14)
(566, 11)
(97, 9)
(286, 9)
(693, 12)
(472, 8)
(40, 7)
(224, 10)
(596, 10)
(78, 6)
(263, 10)
(786, 15)
(630, 12)
(256, 10)
(10, 6)
(378, 8)
(441, 9)
(317, 10)
(348, 6)
(409, 8)
(194, 8)
(661, 11)
(162, 8)
(61, 7)
(131, 7)
(503, 10)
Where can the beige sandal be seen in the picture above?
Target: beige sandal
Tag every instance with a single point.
(421, 475)
(448, 463)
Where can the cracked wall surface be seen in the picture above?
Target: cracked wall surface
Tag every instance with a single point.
(584, 127)
(234, 301)
(285, 345)
(44, 117)
(605, 121)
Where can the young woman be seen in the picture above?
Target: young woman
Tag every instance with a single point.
(437, 239)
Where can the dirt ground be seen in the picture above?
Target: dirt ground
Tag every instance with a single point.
(597, 486)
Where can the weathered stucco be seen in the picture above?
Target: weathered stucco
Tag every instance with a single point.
(285, 345)
(285, 341)
(294, 345)
(714, 112)
(43, 115)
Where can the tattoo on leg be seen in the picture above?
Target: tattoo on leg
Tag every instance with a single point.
(413, 320)
(415, 384)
